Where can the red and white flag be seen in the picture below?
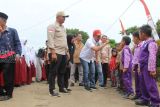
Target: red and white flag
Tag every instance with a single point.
(123, 29)
(150, 20)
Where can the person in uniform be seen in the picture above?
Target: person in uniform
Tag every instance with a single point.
(57, 43)
(147, 61)
(138, 44)
(126, 60)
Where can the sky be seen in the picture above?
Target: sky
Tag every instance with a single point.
(31, 17)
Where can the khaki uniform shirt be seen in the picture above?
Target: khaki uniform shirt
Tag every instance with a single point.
(57, 38)
(78, 48)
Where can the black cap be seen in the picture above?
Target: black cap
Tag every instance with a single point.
(3, 15)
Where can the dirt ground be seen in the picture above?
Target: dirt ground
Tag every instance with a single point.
(36, 95)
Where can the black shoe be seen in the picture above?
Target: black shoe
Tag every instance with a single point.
(122, 93)
(81, 84)
(135, 97)
(103, 86)
(88, 89)
(154, 105)
(118, 89)
(68, 89)
(63, 91)
(72, 84)
(141, 102)
(54, 94)
(4, 98)
(93, 88)
(126, 96)
(1, 98)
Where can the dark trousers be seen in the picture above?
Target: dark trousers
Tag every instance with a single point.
(121, 80)
(57, 68)
(8, 75)
(105, 70)
(66, 77)
(47, 71)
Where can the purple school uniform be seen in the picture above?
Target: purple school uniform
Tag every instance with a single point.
(127, 63)
(135, 62)
(149, 89)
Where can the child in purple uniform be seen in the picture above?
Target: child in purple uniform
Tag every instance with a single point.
(135, 62)
(126, 59)
(147, 60)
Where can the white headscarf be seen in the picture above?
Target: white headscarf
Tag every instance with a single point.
(33, 56)
(26, 51)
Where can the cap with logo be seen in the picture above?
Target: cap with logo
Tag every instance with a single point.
(61, 13)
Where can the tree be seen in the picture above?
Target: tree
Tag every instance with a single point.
(112, 42)
(73, 32)
(130, 30)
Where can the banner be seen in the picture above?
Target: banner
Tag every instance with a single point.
(123, 30)
(150, 21)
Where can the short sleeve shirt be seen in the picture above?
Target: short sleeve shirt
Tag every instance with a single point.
(87, 53)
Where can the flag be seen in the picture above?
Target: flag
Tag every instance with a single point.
(150, 20)
(123, 29)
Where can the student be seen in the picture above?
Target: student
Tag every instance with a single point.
(135, 63)
(119, 68)
(127, 66)
(112, 66)
(147, 60)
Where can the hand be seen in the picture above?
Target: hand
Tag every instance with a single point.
(103, 61)
(54, 57)
(124, 70)
(68, 56)
(17, 57)
(97, 61)
(153, 74)
(105, 43)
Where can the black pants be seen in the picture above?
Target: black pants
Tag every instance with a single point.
(47, 71)
(8, 75)
(66, 77)
(105, 70)
(120, 79)
(57, 68)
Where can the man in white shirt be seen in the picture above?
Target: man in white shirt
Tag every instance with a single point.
(87, 59)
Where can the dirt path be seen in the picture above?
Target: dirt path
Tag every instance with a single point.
(36, 95)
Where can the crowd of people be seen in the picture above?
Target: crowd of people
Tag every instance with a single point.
(91, 64)
(95, 61)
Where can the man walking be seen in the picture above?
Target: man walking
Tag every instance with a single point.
(10, 51)
(57, 43)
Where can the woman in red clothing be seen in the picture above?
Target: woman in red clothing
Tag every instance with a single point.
(112, 66)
